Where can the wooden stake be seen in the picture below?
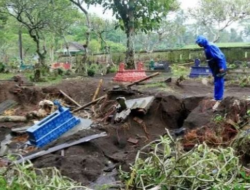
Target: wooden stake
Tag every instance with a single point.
(88, 104)
(69, 98)
(96, 94)
(97, 90)
(146, 78)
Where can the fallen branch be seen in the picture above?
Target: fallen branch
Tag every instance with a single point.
(69, 98)
(146, 78)
(13, 119)
(59, 147)
(156, 82)
(88, 104)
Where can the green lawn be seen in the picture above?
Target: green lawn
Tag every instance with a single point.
(235, 44)
(7, 76)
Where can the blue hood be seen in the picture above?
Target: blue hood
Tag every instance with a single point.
(212, 52)
(202, 40)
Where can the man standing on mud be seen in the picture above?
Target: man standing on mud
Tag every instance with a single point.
(217, 64)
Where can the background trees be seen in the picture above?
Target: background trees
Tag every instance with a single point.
(39, 17)
(143, 25)
(216, 16)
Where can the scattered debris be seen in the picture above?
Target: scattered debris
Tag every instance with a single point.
(90, 103)
(13, 119)
(59, 147)
(124, 107)
(69, 98)
(4, 145)
(46, 107)
(52, 127)
(143, 125)
(133, 141)
(20, 130)
(6, 105)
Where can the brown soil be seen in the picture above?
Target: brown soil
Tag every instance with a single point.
(81, 90)
(188, 106)
(86, 162)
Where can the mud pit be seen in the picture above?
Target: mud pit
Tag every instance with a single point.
(86, 162)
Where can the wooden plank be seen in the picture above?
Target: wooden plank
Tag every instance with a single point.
(146, 78)
(6, 105)
(71, 99)
(20, 129)
(88, 104)
(59, 147)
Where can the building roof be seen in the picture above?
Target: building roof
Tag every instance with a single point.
(76, 45)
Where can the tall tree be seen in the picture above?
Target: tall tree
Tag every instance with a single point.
(168, 34)
(36, 17)
(135, 15)
(79, 4)
(219, 15)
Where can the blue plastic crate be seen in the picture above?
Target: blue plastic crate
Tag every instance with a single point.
(52, 127)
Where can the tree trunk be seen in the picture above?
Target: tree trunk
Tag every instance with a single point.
(130, 51)
(130, 30)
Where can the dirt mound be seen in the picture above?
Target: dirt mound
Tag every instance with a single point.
(23, 95)
(81, 90)
(87, 161)
(5, 91)
(215, 128)
(82, 163)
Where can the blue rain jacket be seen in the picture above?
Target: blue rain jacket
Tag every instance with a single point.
(216, 59)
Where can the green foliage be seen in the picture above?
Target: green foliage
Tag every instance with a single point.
(94, 46)
(2, 67)
(116, 47)
(91, 72)
(146, 14)
(41, 18)
(178, 70)
(112, 69)
(221, 14)
(218, 118)
(166, 167)
(24, 177)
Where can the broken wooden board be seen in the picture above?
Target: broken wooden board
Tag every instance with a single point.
(20, 129)
(6, 105)
(59, 147)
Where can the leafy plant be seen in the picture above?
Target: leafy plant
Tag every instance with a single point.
(162, 164)
(218, 118)
(91, 72)
(112, 69)
(2, 67)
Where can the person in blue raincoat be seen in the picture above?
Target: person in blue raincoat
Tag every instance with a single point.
(217, 64)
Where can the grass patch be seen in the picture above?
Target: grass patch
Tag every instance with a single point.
(6, 76)
(52, 82)
(25, 176)
(178, 70)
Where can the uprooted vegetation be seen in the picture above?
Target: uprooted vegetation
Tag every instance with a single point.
(164, 165)
(22, 176)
